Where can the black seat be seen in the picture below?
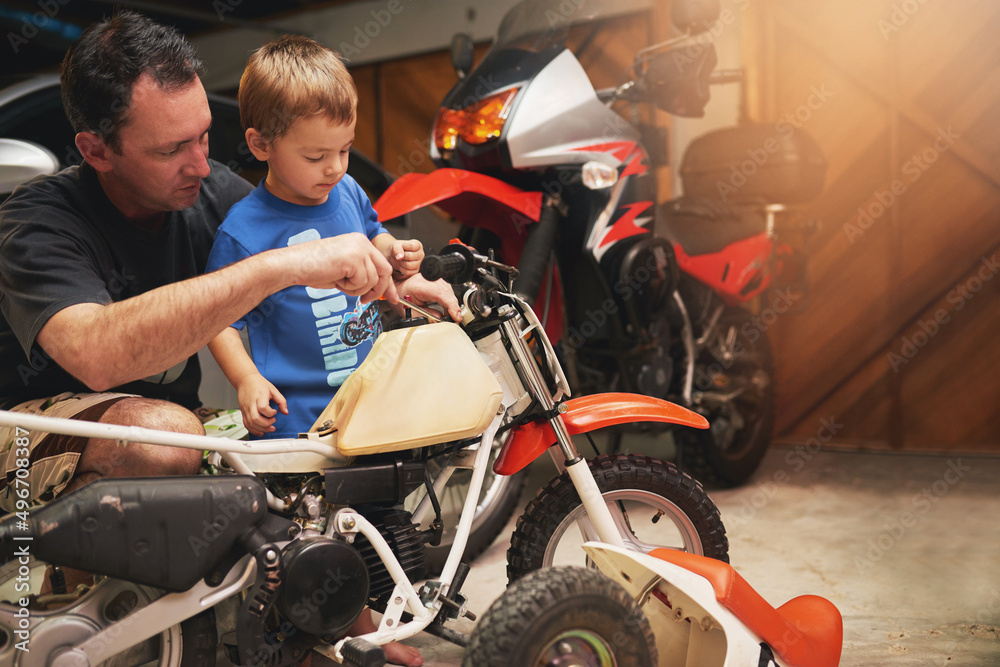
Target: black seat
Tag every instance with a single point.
(703, 225)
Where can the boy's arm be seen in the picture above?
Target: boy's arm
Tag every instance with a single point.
(403, 256)
(253, 391)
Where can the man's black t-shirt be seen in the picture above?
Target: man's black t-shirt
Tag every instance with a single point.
(62, 242)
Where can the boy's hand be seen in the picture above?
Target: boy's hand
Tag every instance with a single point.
(405, 257)
(255, 394)
(423, 292)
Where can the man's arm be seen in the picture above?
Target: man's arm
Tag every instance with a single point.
(106, 346)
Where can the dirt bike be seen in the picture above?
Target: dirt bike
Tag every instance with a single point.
(659, 609)
(653, 299)
(279, 551)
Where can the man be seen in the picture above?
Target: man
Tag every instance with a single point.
(100, 265)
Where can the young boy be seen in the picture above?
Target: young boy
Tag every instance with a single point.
(298, 106)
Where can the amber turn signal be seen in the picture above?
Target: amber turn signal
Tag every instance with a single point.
(475, 124)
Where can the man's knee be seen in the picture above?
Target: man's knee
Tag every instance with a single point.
(109, 459)
(179, 461)
(154, 414)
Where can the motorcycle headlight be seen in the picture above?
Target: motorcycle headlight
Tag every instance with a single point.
(475, 124)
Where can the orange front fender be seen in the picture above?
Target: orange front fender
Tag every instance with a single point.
(589, 413)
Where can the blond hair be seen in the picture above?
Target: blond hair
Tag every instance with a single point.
(292, 77)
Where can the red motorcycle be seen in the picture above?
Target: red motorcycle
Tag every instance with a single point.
(542, 171)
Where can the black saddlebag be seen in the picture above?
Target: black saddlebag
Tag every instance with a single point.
(166, 532)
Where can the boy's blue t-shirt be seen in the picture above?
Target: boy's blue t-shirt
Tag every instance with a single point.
(305, 341)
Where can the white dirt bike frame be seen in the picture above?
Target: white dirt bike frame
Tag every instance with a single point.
(522, 376)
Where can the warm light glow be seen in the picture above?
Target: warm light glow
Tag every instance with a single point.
(475, 124)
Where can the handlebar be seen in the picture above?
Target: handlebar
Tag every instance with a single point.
(456, 264)
(449, 267)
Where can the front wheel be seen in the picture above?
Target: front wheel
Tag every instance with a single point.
(563, 616)
(653, 503)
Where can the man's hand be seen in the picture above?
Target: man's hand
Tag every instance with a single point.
(423, 291)
(405, 257)
(255, 394)
(348, 262)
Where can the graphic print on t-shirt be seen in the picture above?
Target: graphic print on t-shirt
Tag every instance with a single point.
(361, 324)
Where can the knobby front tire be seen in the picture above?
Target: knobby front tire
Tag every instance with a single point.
(560, 616)
(654, 503)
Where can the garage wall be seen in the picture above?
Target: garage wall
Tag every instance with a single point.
(898, 343)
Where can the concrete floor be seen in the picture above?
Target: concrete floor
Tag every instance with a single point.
(907, 547)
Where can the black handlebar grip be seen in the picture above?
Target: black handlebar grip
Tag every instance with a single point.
(455, 263)
(535, 257)
(446, 266)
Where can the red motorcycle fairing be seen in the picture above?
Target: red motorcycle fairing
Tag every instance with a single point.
(475, 199)
(478, 200)
(737, 273)
(588, 413)
(629, 153)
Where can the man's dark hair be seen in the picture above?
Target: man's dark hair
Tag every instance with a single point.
(101, 68)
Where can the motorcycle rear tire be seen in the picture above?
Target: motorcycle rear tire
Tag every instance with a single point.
(199, 640)
(649, 482)
(719, 456)
(199, 645)
(554, 615)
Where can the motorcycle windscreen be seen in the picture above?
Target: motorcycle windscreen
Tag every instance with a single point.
(419, 386)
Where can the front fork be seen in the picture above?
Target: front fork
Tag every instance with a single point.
(576, 465)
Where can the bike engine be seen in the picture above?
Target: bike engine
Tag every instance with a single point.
(398, 529)
(325, 585)
(653, 377)
(327, 582)
(313, 590)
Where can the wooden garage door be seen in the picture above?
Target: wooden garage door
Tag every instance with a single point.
(899, 341)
